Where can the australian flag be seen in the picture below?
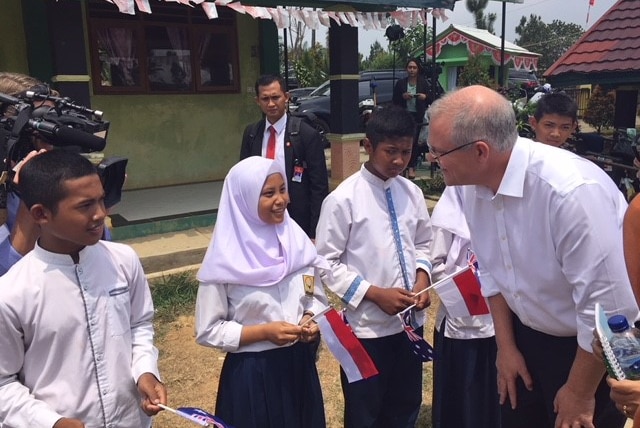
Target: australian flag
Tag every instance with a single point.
(201, 417)
(419, 346)
(472, 261)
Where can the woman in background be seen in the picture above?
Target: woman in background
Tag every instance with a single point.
(410, 93)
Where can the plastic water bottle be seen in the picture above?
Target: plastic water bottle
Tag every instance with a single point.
(625, 344)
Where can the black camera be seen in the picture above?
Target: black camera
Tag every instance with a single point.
(429, 71)
(34, 116)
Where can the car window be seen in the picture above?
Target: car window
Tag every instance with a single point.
(522, 75)
(364, 88)
(322, 90)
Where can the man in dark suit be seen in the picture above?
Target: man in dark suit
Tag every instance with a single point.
(297, 145)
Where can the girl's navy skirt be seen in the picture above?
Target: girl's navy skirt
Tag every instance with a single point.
(276, 388)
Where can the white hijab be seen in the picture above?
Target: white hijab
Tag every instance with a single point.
(246, 250)
(448, 213)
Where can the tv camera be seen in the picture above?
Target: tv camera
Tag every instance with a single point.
(60, 122)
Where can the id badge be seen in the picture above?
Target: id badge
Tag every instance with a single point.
(309, 282)
(297, 174)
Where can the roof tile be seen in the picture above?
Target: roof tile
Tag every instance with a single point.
(612, 44)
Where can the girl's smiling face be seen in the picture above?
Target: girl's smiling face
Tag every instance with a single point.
(274, 199)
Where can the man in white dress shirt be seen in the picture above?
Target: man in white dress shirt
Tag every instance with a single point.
(546, 226)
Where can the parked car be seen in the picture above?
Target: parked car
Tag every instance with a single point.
(375, 82)
(301, 92)
(523, 79)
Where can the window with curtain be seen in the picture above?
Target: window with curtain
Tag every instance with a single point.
(174, 50)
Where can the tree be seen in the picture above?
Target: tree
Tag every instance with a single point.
(475, 72)
(600, 109)
(377, 55)
(375, 50)
(398, 52)
(550, 40)
(483, 22)
(312, 66)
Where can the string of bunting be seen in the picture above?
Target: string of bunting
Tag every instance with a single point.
(312, 18)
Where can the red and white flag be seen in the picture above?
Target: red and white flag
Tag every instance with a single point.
(345, 346)
(460, 294)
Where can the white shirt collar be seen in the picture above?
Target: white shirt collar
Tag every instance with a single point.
(279, 126)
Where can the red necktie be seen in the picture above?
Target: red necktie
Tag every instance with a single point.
(271, 144)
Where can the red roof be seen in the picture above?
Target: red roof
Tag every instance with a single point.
(611, 45)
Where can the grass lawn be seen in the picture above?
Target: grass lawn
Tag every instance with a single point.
(191, 371)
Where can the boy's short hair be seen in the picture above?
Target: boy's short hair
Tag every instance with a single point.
(389, 123)
(42, 177)
(267, 79)
(556, 103)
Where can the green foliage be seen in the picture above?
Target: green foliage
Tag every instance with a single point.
(411, 45)
(312, 66)
(375, 50)
(600, 109)
(432, 186)
(483, 22)
(174, 295)
(475, 72)
(550, 40)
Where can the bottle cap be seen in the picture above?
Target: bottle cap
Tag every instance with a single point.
(618, 323)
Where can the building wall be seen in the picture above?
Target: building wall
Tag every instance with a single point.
(168, 139)
(13, 44)
(453, 57)
(179, 139)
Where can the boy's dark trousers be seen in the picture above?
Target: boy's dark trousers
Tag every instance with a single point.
(549, 359)
(393, 397)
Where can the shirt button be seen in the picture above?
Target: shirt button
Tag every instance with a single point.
(104, 392)
(79, 270)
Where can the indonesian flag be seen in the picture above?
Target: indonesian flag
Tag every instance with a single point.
(592, 2)
(460, 294)
(345, 346)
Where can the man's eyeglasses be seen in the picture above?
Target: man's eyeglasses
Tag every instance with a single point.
(435, 157)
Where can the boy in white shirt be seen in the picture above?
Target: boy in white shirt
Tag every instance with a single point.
(375, 232)
(76, 341)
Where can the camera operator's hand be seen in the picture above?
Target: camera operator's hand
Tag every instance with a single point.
(16, 167)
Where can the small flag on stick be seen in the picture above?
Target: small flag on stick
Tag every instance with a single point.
(198, 416)
(345, 346)
(419, 346)
(461, 295)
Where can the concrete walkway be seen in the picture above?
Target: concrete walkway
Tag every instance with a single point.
(170, 228)
(166, 253)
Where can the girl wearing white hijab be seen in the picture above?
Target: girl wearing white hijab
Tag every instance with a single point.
(259, 282)
(464, 374)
